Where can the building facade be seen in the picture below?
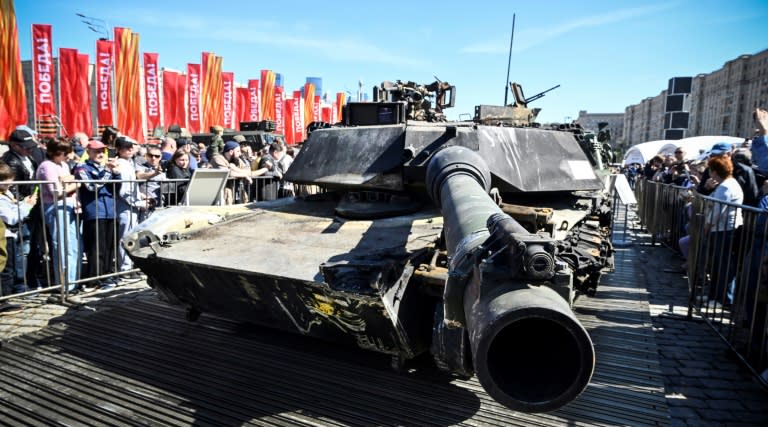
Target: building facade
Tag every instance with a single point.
(590, 121)
(720, 103)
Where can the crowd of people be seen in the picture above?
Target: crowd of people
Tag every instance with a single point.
(728, 272)
(85, 194)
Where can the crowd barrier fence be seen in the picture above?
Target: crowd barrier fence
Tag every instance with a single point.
(726, 262)
(50, 235)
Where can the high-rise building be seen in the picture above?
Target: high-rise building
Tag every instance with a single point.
(719, 103)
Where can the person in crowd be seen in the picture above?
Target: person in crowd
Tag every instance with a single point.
(230, 158)
(19, 158)
(178, 169)
(13, 214)
(276, 163)
(217, 143)
(679, 155)
(79, 142)
(97, 198)
(653, 166)
(130, 204)
(664, 173)
(151, 172)
(759, 145)
(61, 207)
(743, 174)
(6, 308)
(198, 156)
(109, 136)
(721, 222)
(169, 148)
(186, 145)
(203, 155)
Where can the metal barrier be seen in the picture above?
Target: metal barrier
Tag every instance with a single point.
(79, 252)
(727, 262)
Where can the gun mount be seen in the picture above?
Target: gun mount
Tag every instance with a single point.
(413, 247)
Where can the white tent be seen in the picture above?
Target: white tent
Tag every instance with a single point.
(696, 146)
(643, 152)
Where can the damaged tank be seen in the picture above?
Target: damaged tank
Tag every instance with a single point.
(413, 246)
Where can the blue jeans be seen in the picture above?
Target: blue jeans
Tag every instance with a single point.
(65, 239)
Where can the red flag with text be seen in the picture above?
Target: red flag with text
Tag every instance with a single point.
(73, 81)
(298, 120)
(104, 64)
(193, 98)
(228, 97)
(173, 99)
(151, 92)
(13, 100)
(279, 109)
(290, 138)
(254, 109)
(44, 78)
(243, 105)
(316, 109)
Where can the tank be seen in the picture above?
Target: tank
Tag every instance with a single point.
(464, 240)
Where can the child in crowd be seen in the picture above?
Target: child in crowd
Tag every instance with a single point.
(13, 214)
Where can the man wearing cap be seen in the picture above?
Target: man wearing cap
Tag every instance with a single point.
(19, 158)
(743, 174)
(98, 200)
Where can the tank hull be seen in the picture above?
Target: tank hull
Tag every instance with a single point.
(292, 265)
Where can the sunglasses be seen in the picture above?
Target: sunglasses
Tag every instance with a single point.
(678, 152)
(155, 156)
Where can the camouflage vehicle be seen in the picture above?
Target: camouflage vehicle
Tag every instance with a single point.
(467, 240)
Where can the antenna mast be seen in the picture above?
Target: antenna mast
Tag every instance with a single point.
(509, 61)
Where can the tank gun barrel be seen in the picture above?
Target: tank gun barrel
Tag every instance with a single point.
(528, 349)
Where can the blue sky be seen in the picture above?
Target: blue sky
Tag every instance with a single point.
(606, 55)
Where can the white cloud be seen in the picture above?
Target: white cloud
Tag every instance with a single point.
(531, 38)
(274, 35)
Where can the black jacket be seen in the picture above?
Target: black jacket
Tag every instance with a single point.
(21, 172)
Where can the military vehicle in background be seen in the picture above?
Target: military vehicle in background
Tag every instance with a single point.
(257, 134)
(468, 240)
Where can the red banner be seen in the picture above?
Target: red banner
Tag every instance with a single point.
(127, 83)
(211, 93)
(325, 115)
(193, 97)
(73, 81)
(268, 95)
(254, 90)
(104, 61)
(243, 106)
(316, 109)
(13, 100)
(334, 109)
(228, 98)
(173, 99)
(290, 138)
(279, 110)
(44, 78)
(151, 92)
(298, 120)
